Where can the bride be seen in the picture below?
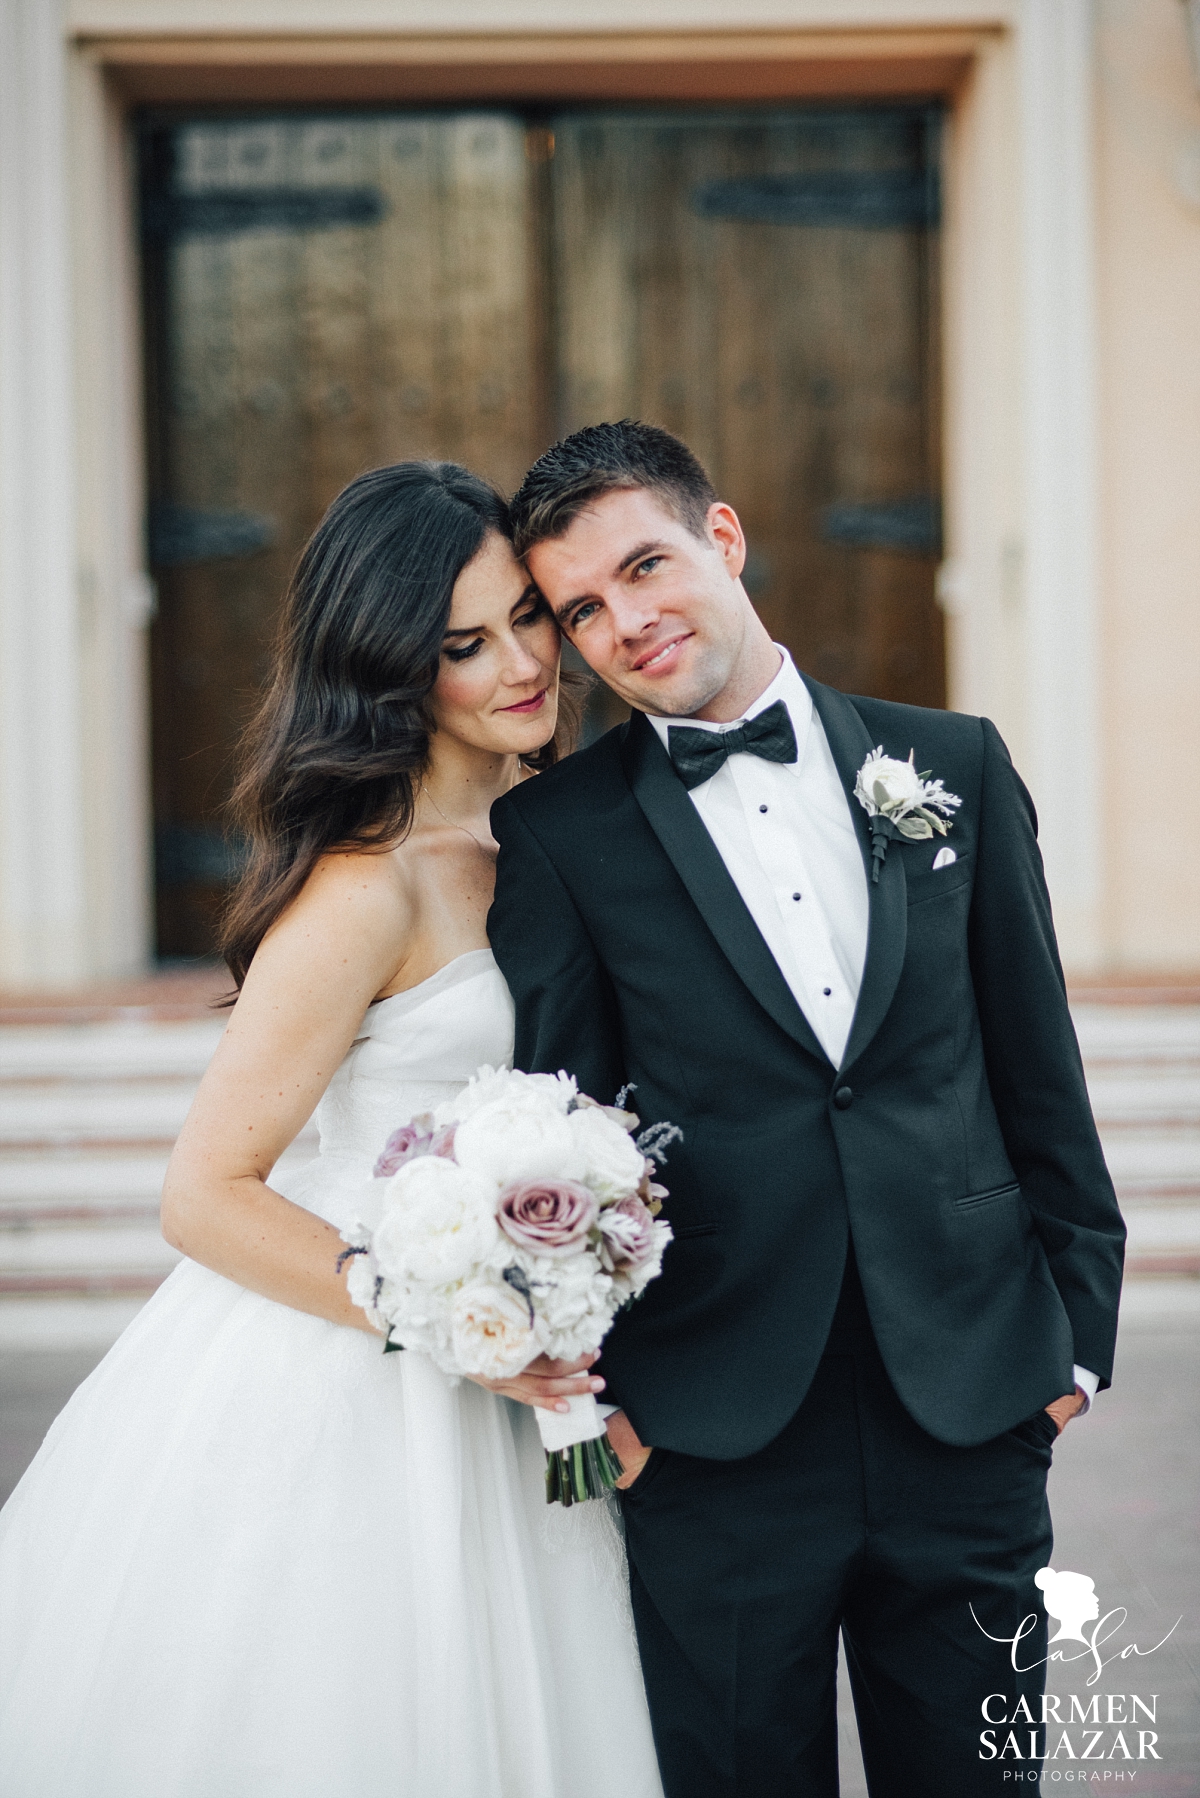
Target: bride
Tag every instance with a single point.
(255, 1555)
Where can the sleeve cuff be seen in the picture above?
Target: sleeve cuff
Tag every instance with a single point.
(1089, 1384)
(607, 1410)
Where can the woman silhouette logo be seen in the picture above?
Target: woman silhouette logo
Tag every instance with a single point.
(1070, 1598)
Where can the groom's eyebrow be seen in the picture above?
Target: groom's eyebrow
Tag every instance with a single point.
(635, 555)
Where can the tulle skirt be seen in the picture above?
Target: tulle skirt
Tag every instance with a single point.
(255, 1556)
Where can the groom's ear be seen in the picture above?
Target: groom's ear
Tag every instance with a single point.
(725, 530)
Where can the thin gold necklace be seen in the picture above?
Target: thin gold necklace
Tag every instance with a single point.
(450, 821)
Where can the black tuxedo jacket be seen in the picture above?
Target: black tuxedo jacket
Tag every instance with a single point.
(955, 1144)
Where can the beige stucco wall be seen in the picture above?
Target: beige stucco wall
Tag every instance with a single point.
(1148, 273)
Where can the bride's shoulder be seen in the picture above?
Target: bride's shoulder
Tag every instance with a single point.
(355, 891)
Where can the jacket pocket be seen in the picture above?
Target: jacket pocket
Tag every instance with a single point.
(985, 1198)
(695, 1230)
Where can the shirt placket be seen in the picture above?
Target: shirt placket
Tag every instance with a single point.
(772, 813)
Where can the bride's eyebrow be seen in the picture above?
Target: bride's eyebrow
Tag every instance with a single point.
(479, 630)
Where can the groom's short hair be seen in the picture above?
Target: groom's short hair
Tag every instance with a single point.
(608, 458)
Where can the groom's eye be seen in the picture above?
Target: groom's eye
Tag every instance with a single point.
(648, 566)
(581, 614)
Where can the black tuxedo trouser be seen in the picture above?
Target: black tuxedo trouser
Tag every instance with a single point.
(742, 1573)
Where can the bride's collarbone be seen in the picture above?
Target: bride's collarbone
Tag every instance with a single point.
(449, 890)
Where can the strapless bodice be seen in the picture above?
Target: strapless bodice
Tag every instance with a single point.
(414, 1050)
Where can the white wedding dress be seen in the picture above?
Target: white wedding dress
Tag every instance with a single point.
(257, 1557)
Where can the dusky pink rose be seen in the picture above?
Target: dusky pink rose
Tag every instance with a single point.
(411, 1140)
(547, 1217)
(628, 1229)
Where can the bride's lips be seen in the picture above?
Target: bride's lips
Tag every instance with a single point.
(526, 706)
(661, 658)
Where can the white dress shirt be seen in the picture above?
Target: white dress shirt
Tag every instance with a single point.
(785, 833)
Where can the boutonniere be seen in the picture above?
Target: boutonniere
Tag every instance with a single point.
(900, 803)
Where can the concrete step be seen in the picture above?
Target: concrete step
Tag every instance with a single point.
(119, 1049)
(90, 1104)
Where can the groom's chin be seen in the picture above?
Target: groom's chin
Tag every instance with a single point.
(681, 694)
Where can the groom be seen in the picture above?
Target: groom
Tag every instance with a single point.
(897, 1251)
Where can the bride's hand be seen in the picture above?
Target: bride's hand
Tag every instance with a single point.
(546, 1383)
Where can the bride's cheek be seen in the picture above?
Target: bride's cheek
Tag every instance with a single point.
(460, 692)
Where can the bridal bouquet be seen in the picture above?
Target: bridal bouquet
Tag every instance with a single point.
(517, 1220)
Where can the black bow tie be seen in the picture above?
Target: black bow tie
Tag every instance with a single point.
(698, 754)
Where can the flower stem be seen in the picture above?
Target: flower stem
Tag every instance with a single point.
(585, 1470)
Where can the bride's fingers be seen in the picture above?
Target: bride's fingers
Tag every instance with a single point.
(547, 1394)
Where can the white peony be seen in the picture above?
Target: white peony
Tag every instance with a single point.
(491, 1332)
(439, 1223)
(520, 1136)
(490, 1084)
(613, 1163)
(575, 1303)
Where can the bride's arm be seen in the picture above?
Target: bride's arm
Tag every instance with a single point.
(308, 988)
(340, 943)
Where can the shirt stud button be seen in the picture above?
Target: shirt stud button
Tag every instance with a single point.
(795, 895)
(762, 808)
(828, 991)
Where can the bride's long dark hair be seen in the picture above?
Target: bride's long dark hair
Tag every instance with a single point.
(334, 757)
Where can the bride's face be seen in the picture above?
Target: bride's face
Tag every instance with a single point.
(497, 686)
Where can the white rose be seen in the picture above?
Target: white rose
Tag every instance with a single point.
(439, 1222)
(613, 1163)
(491, 1331)
(523, 1136)
(887, 783)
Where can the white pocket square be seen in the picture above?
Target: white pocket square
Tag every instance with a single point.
(943, 858)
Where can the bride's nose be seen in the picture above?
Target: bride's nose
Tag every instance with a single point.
(520, 664)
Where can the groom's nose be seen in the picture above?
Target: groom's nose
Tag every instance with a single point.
(632, 614)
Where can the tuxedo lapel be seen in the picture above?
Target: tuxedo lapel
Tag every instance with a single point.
(696, 859)
(887, 929)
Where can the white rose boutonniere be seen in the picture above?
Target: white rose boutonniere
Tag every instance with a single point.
(900, 803)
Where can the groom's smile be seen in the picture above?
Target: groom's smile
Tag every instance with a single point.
(662, 658)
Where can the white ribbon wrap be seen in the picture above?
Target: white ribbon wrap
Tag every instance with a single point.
(561, 1429)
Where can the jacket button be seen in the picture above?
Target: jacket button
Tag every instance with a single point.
(843, 1098)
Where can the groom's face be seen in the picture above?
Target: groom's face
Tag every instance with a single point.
(658, 612)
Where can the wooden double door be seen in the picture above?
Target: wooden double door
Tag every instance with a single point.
(325, 293)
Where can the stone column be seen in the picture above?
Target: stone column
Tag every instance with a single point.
(1060, 457)
(43, 935)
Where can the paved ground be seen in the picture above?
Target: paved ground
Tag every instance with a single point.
(1126, 1498)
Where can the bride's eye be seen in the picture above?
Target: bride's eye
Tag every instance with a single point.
(463, 651)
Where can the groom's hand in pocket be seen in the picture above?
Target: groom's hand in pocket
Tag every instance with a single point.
(1065, 1408)
(631, 1452)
